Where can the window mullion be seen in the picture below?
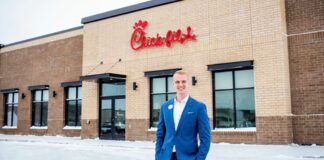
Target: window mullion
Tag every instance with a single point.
(151, 102)
(76, 107)
(10, 106)
(41, 112)
(166, 89)
(234, 99)
(12, 111)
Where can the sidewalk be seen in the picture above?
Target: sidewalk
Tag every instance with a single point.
(15, 147)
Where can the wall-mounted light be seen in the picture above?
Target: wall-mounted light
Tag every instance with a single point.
(54, 94)
(134, 86)
(194, 81)
(23, 95)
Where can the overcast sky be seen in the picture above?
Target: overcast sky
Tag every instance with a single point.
(24, 19)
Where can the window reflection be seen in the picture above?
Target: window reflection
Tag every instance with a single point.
(234, 104)
(162, 91)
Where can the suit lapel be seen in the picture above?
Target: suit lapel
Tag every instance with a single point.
(170, 115)
(184, 113)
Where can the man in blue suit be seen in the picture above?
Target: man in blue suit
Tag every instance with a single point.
(182, 119)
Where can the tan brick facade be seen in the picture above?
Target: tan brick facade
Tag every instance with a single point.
(288, 79)
(227, 31)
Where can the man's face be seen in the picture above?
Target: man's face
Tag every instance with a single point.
(180, 83)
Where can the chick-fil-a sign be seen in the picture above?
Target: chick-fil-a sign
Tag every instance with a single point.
(139, 39)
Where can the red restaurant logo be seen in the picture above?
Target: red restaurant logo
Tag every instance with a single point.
(139, 40)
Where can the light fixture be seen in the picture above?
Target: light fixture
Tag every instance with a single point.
(23, 95)
(134, 86)
(194, 81)
(54, 94)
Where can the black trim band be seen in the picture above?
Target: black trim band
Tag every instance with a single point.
(31, 88)
(101, 76)
(9, 90)
(167, 72)
(232, 65)
(71, 84)
(125, 10)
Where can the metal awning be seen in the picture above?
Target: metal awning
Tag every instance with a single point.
(232, 65)
(167, 72)
(9, 90)
(38, 87)
(103, 76)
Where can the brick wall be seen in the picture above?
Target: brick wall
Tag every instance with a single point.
(227, 31)
(274, 130)
(304, 16)
(305, 24)
(48, 63)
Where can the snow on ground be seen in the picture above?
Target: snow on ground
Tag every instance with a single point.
(15, 147)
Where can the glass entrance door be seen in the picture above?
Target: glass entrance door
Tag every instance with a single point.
(113, 118)
(112, 110)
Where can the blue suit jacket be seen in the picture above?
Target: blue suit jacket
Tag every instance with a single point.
(193, 121)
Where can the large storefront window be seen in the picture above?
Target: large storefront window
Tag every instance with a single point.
(40, 107)
(234, 99)
(73, 106)
(161, 91)
(11, 109)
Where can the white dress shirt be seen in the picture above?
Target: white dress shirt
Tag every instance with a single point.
(177, 112)
(178, 109)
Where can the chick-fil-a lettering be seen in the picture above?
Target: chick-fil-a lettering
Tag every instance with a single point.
(139, 40)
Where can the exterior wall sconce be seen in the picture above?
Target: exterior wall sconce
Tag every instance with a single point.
(193, 80)
(54, 94)
(134, 86)
(23, 95)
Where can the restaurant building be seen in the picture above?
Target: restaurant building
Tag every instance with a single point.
(257, 65)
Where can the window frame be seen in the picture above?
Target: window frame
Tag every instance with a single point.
(77, 99)
(234, 89)
(166, 93)
(33, 111)
(6, 106)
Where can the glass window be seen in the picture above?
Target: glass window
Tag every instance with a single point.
(80, 92)
(244, 79)
(170, 85)
(40, 107)
(15, 97)
(72, 93)
(73, 106)
(224, 80)
(113, 89)
(159, 85)
(245, 108)
(224, 110)
(11, 109)
(38, 96)
(45, 95)
(234, 102)
(161, 91)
